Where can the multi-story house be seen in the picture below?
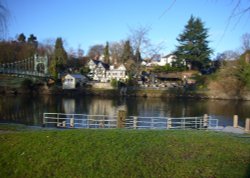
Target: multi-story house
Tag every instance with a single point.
(102, 72)
(118, 73)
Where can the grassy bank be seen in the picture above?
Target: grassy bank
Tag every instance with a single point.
(123, 153)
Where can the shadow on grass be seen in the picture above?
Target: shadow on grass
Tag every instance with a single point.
(248, 170)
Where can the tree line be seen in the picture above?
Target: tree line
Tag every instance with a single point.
(192, 51)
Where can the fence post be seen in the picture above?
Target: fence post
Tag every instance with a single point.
(63, 123)
(247, 125)
(235, 121)
(72, 122)
(169, 124)
(121, 118)
(135, 123)
(205, 121)
(44, 120)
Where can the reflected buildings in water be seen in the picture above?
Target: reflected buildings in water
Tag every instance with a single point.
(94, 106)
(69, 105)
(29, 110)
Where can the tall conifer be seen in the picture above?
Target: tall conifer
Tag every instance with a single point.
(193, 49)
(106, 53)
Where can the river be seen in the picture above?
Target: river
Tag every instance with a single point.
(29, 109)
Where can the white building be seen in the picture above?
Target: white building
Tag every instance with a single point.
(118, 73)
(168, 59)
(102, 72)
(71, 81)
(98, 70)
(162, 61)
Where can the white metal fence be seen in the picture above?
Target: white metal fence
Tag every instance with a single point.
(79, 120)
(171, 123)
(62, 120)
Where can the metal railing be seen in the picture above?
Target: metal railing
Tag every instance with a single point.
(24, 72)
(78, 120)
(63, 120)
(136, 122)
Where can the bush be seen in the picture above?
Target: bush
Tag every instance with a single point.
(84, 70)
(244, 71)
(167, 68)
(114, 83)
(27, 84)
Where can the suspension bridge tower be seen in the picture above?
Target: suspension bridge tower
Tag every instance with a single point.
(41, 64)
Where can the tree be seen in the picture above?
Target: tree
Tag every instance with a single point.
(140, 42)
(95, 51)
(116, 51)
(127, 52)
(245, 38)
(106, 53)
(47, 47)
(139, 38)
(59, 58)
(228, 55)
(33, 40)
(193, 45)
(80, 52)
(138, 58)
(21, 38)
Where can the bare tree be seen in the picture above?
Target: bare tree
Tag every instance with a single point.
(141, 42)
(95, 51)
(47, 46)
(116, 50)
(139, 38)
(80, 52)
(228, 55)
(245, 38)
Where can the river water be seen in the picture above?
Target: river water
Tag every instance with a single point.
(29, 109)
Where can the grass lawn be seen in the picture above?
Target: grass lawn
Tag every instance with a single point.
(123, 153)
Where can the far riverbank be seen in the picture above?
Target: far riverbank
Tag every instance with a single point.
(15, 86)
(131, 92)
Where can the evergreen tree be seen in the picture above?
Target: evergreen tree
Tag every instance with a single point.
(59, 58)
(32, 39)
(193, 45)
(138, 56)
(21, 38)
(127, 52)
(106, 53)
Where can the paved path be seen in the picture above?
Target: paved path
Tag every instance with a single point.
(231, 129)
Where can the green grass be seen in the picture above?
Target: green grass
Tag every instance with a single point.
(123, 153)
(12, 127)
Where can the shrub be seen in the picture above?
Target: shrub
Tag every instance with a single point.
(27, 84)
(168, 68)
(114, 83)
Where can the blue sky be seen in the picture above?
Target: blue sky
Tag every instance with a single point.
(88, 22)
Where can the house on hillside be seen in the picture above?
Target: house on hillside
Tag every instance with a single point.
(92, 64)
(118, 73)
(97, 70)
(72, 81)
(161, 61)
(102, 72)
(168, 59)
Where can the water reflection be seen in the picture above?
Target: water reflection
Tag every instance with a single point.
(69, 105)
(29, 110)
